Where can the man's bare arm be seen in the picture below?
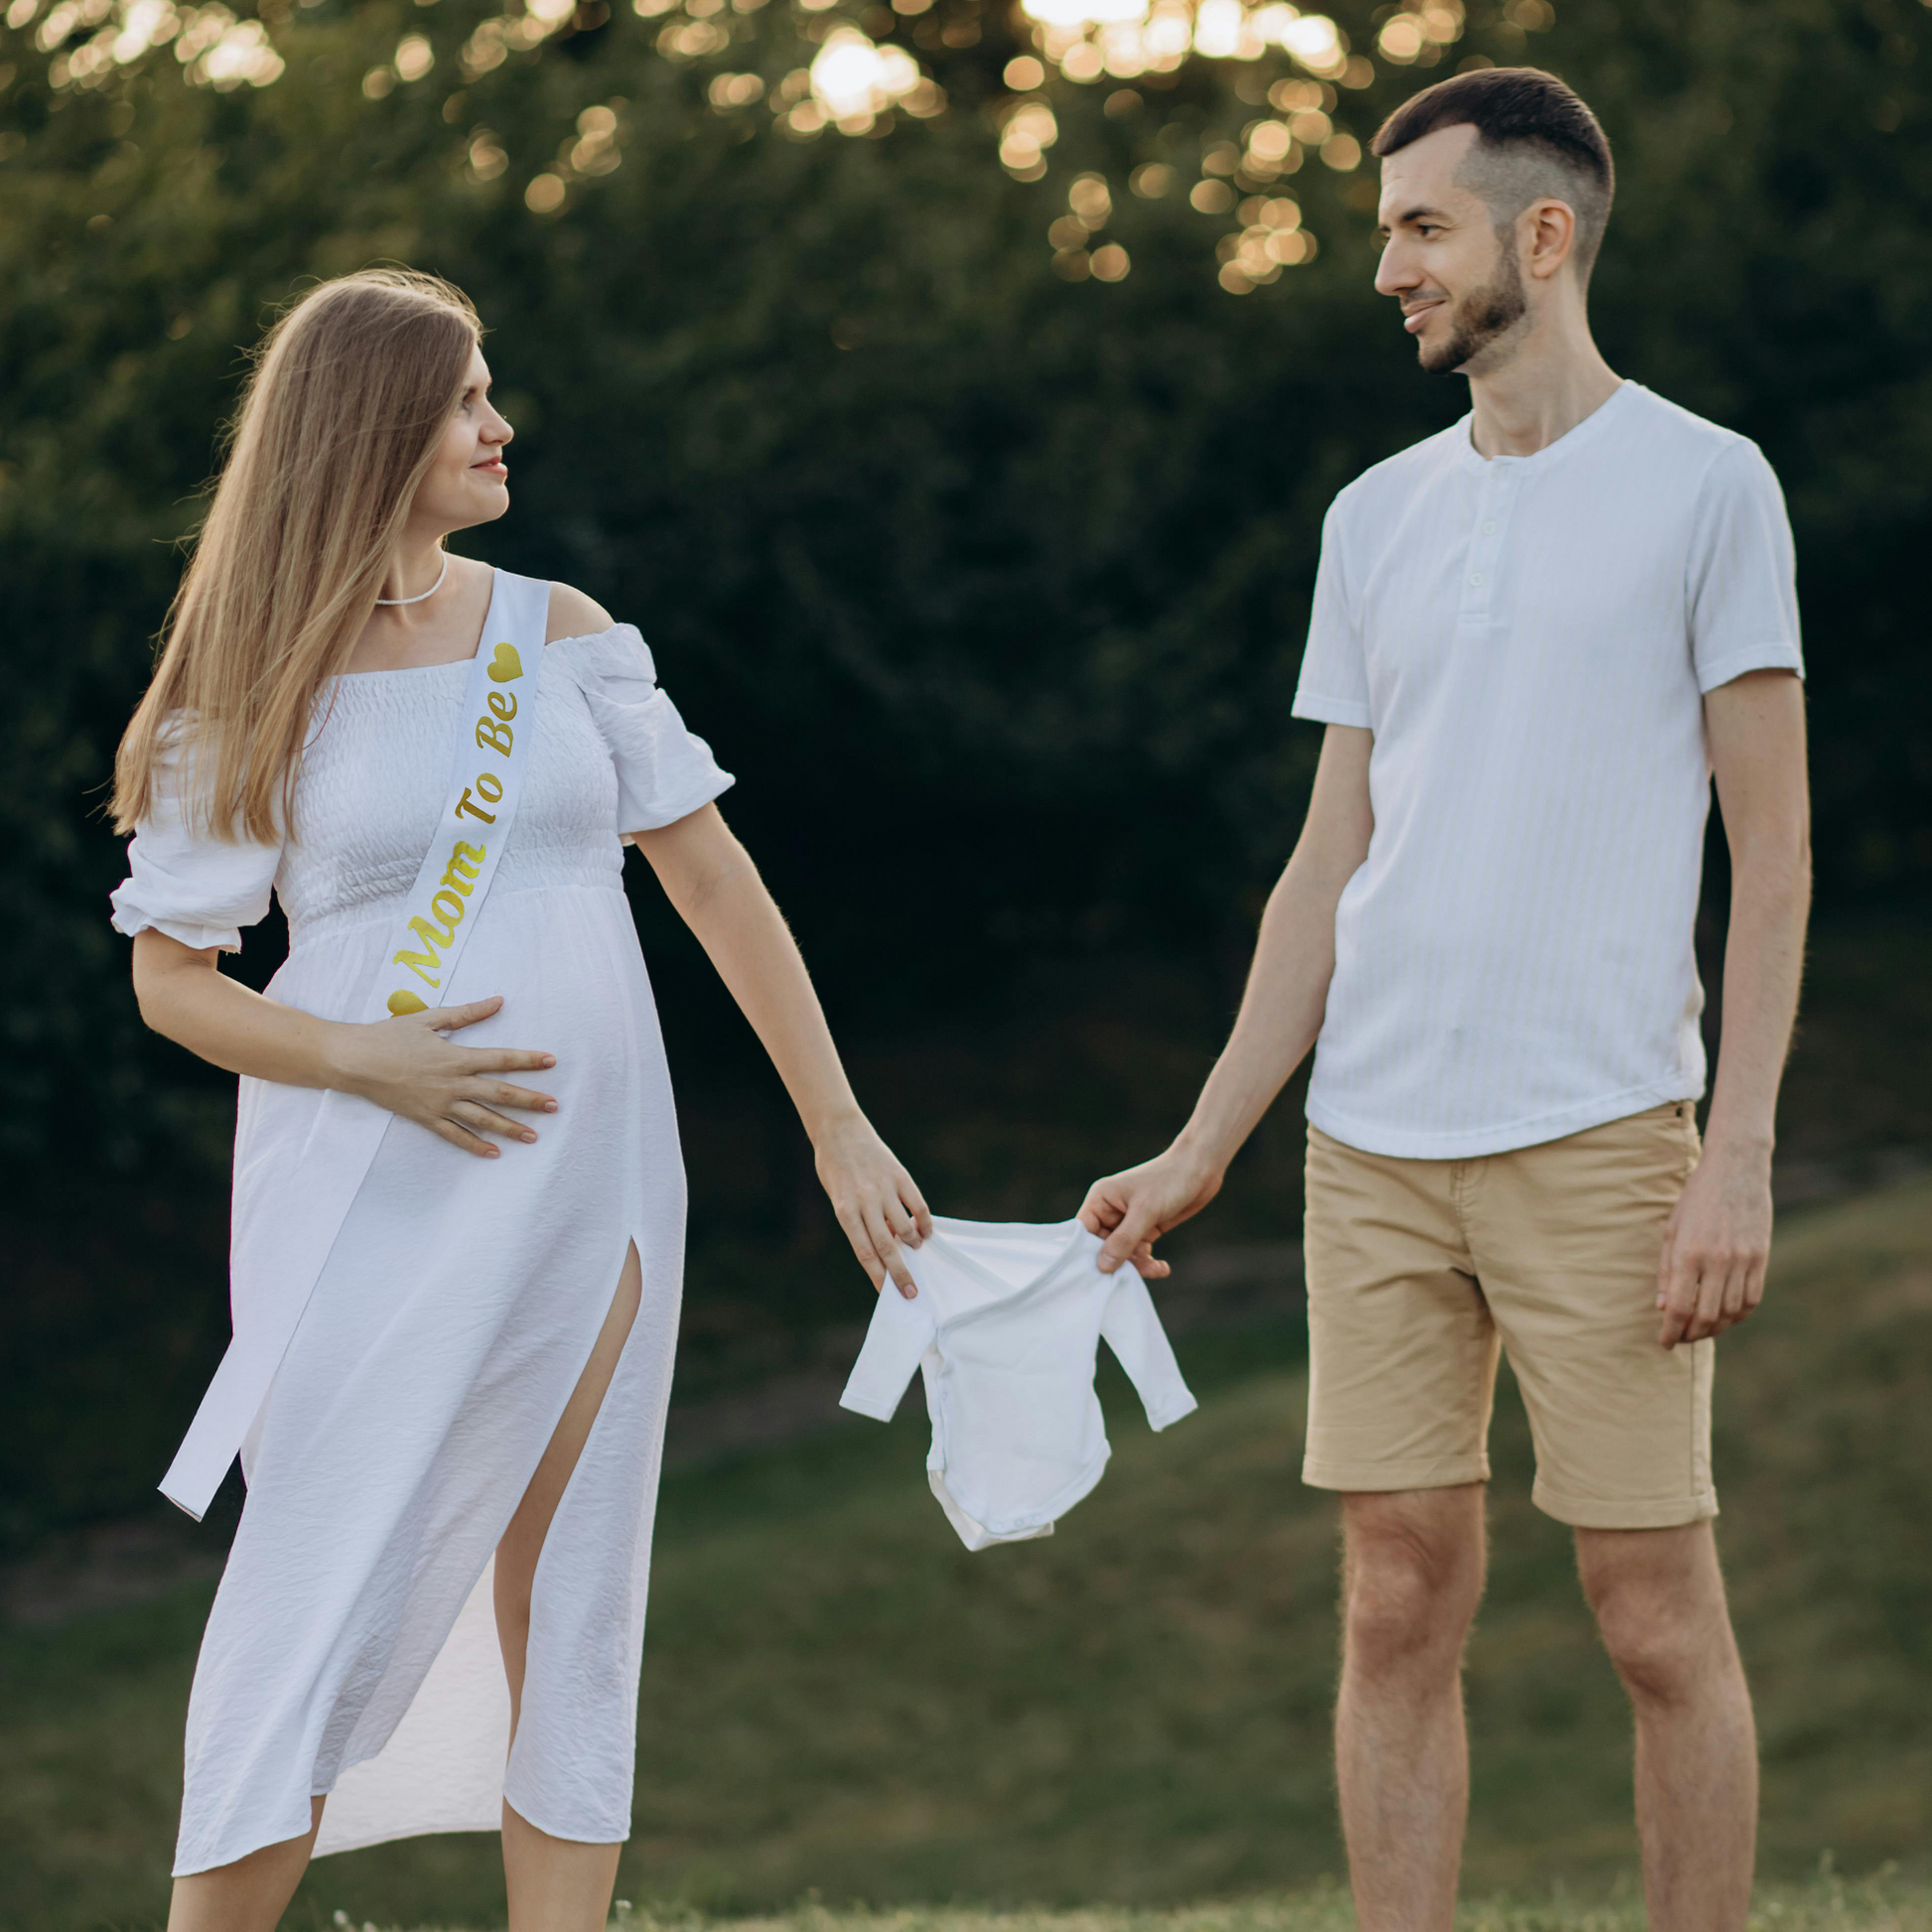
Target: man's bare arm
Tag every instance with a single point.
(1280, 1013)
(1718, 1242)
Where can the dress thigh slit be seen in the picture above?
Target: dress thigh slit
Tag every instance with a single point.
(572, 1750)
(522, 1547)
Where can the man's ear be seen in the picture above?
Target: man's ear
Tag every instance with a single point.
(1549, 238)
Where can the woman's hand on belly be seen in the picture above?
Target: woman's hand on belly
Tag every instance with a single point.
(407, 1067)
(404, 1065)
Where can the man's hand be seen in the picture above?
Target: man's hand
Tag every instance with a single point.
(1716, 1242)
(1135, 1208)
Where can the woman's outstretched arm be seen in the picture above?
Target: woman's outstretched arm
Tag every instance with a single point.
(711, 881)
(403, 1065)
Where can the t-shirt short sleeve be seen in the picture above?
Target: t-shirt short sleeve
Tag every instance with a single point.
(184, 881)
(664, 771)
(1333, 686)
(1741, 587)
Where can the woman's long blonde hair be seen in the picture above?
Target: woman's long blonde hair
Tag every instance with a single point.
(337, 426)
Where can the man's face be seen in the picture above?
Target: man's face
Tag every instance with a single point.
(1459, 283)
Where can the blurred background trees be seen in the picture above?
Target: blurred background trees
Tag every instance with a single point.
(951, 396)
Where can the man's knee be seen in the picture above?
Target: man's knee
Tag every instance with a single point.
(1413, 1577)
(1658, 1599)
(1658, 1658)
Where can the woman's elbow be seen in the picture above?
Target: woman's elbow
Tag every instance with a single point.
(159, 970)
(703, 866)
(151, 1000)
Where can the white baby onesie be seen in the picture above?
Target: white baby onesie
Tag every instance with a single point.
(1006, 1328)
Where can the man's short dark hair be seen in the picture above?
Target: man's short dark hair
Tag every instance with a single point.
(1535, 136)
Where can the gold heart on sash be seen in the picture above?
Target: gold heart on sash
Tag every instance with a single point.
(505, 665)
(403, 1001)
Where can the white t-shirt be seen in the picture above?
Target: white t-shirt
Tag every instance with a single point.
(1006, 1328)
(1529, 638)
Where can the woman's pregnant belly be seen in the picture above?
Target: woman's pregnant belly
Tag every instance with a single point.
(566, 963)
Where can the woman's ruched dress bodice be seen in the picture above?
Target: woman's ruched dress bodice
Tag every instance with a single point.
(352, 1645)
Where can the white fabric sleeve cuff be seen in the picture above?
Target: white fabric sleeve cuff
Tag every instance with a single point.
(1321, 710)
(128, 919)
(1757, 657)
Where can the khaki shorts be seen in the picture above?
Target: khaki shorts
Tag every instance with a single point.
(1418, 1271)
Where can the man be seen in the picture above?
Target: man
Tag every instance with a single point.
(1535, 637)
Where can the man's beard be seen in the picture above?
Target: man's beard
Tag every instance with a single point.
(1483, 316)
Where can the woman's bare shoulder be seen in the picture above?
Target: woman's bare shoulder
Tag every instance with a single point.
(574, 614)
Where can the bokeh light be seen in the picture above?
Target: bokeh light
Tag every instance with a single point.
(1126, 38)
(860, 79)
(213, 46)
(855, 80)
(1030, 130)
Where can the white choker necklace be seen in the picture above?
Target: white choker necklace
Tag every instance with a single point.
(421, 594)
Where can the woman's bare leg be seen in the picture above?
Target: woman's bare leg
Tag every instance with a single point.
(249, 1895)
(556, 1884)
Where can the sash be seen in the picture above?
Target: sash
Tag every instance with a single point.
(417, 968)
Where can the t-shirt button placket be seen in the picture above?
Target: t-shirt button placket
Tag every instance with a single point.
(1475, 596)
(1486, 547)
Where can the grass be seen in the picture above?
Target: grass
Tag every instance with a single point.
(1871, 1906)
(1828, 1904)
(840, 1700)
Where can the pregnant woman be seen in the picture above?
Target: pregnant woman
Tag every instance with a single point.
(459, 1205)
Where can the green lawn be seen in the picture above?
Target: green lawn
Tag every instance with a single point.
(1828, 1904)
(1871, 1905)
(841, 1704)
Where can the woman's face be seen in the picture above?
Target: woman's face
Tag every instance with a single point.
(469, 481)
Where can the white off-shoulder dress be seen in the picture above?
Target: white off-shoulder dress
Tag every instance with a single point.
(352, 1646)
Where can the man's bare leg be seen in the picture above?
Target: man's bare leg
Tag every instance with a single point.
(1659, 1599)
(249, 1895)
(1412, 1576)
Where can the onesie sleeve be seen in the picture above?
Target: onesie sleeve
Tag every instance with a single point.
(184, 881)
(664, 771)
(1134, 1332)
(901, 1334)
(1741, 586)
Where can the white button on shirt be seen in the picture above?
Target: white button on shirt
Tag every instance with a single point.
(1529, 638)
